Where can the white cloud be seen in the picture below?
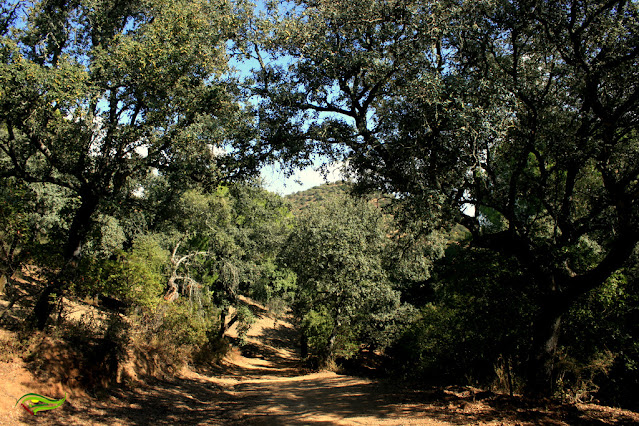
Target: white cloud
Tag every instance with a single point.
(276, 181)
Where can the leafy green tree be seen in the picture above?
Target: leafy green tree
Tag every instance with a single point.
(562, 177)
(336, 249)
(263, 222)
(197, 229)
(524, 110)
(96, 94)
(222, 244)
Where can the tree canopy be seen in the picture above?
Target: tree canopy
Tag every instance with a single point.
(337, 250)
(96, 95)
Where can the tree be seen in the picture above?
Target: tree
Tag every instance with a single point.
(563, 177)
(263, 223)
(96, 94)
(524, 110)
(336, 250)
(223, 244)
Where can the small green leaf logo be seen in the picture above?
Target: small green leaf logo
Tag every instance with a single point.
(33, 402)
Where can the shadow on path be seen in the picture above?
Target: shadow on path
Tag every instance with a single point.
(321, 398)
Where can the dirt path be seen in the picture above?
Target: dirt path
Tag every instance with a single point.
(264, 385)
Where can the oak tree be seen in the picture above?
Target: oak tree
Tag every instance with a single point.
(516, 118)
(343, 291)
(95, 94)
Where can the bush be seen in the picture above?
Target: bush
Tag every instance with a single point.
(317, 326)
(477, 322)
(245, 319)
(580, 381)
(600, 354)
(137, 276)
(171, 335)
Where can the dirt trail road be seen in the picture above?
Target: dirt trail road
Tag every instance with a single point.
(264, 385)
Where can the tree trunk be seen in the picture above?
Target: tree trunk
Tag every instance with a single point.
(43, 307)
(328, 356)
(546, 332)
(303, 345)
(509, 375)
(72, 250)
(223, 314)
(80, 227)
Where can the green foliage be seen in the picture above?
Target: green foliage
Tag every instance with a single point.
(336, 250)
(274, 283)
(476, 319)
(501, 136)
(410, 258)
(147, 275)
(245, 319)
(108, 237)
(522, 111)
(169, 335)
(600, 354)
(17, 208)
(184, 327)
(318, 326)
(95, 97)
(36, 215)
(138, 276)
(224, 241)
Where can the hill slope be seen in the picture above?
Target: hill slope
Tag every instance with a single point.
(300, 201)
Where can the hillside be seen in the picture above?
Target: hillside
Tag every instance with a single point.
(301, 200)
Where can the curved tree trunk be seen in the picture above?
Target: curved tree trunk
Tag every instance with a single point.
(223, 315)
(564, 292)
(77, 236)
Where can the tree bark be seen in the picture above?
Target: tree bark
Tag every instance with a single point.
(80, 227)
(328, 356)
(223, 314)
(540, 369)
(78, 232)
(565, 291)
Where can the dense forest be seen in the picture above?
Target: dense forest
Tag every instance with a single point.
(486, 232)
